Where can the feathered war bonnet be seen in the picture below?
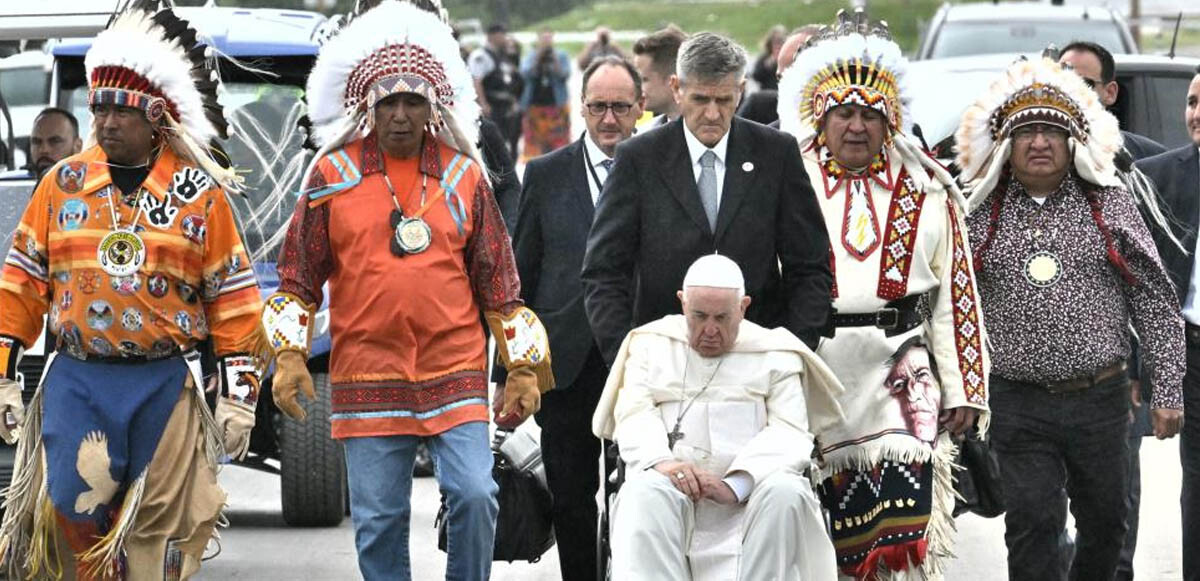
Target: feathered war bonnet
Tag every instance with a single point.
(852, 62)
(392, 47)
(1029, 92)
(149, 59)
(848, 62)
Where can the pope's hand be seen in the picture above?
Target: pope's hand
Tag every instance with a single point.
(714, 488)
(12, 410)
(291, 377)
(683, 476)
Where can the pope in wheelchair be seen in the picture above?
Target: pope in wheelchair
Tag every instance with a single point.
(714, 417)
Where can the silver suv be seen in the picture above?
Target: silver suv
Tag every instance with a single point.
(1020, 27)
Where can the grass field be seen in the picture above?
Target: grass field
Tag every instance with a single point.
(746, 20)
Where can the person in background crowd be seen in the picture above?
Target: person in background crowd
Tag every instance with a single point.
(497, 84)
(1176, 175)
(706, 182)
(766, 66)
(1065, 266)
(557, 203)
(654, 57)
(544, 98)
(600, 46)
(363, 224)
(55, 136)
(906, 338)
(760, 106)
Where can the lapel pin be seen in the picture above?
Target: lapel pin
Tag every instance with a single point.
(747, 166)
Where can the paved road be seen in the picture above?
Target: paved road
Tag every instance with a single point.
(258, 546)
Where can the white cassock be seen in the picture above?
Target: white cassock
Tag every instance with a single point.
(752, 421)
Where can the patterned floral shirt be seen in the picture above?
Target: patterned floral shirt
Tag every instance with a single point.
(1080, 324)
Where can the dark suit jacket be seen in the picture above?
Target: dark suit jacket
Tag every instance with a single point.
(552, 226)
(650, 226)
(1176, 176)
(760, 106)
(505, 186)
(1141, 147)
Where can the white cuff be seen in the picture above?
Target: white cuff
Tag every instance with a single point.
(741, 482)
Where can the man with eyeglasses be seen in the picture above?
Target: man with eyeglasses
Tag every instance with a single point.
(557, 201)
(707, 182)
(1095, 65)
(1065, 266)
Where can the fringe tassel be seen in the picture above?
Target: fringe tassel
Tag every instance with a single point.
(942, 528)
(43, 549)
(214, 443)
(104, 558)
(21, 498)
(902, 449)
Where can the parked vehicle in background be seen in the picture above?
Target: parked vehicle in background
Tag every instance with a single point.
(25, 86)
(1150, 101)
(274, 50)
(1020, 27)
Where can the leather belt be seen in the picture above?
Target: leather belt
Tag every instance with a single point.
(1086, 381)
(896, 317)
(119, 359)
(1192, 332)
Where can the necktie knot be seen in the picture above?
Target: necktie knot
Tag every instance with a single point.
(606, 164)
(708, 160)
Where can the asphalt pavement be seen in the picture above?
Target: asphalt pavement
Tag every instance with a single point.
(259, 546)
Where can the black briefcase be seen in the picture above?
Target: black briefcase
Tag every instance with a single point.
(524, 530)
(978, 482)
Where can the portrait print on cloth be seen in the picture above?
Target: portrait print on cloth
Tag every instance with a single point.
(912, 380)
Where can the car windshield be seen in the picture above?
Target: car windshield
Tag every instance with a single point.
(24, 86)
(265, 146)
(970, 38)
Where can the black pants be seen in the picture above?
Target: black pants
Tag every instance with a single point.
(1189, 456)
(1049, 444)
(571, 455)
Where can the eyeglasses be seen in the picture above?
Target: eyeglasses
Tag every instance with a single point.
(1028, 132)
(1091, 83)
(599, 108)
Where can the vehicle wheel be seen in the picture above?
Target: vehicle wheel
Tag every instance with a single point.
(423, 463)
(312, 465)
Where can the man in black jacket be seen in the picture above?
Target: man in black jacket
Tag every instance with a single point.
(705, 183)
(1176, 175)
(557, 203)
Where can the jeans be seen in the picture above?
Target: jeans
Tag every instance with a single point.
(1189, 456)
(1048, 444)
(380, 475)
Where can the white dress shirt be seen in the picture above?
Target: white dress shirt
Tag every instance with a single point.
(597, 157)
(697, 149)
(1191, 303)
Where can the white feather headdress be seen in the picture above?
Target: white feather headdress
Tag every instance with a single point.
(150, 59)
(1035, 91)
(393, 47)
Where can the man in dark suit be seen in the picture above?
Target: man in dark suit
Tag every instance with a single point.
(555, 214)
(1176, 176)
(707, 182)
(1096, 65)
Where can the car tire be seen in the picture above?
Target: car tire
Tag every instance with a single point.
(312, 465)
